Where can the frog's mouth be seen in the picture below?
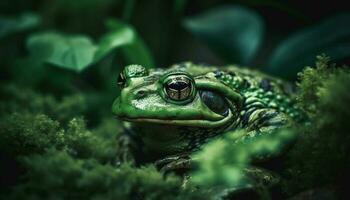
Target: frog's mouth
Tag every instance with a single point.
(183, 122)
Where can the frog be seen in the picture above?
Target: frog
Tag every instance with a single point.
(170, 113)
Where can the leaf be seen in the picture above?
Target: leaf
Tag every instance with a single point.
(23, 22)
(74, 52)
(118, 36)
(331, 37)
(134, 49)
(233, 32)
(77, 52)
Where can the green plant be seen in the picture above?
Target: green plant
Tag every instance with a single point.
(319, 158)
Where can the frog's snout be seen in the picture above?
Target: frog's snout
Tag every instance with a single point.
(116, 108)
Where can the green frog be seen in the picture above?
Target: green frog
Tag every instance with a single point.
(170, 113)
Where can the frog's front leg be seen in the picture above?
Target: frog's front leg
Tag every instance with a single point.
(125, 149)
(264, 120)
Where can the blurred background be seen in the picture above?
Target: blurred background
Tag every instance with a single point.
(180, 30)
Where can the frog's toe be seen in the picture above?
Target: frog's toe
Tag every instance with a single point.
(181, 164)
(173, 164)
(165, 161)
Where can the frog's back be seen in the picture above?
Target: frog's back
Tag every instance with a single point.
(256, 87)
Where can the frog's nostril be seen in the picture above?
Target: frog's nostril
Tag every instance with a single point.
(141, 93)
(121, 81)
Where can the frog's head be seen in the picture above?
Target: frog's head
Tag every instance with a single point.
(175, 98)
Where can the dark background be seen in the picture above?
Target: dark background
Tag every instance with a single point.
(159, 22)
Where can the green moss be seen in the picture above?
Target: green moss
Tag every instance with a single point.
(25, 134)
(312, 79)
(68, 161)
(226, 164)
(18, 99)
(57, 175)
(88, 144)
(320, 157)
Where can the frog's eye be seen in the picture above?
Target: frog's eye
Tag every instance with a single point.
(178, 88)
(121, 80)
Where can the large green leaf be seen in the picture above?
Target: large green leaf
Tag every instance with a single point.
(74, 52)
(233, 32)
(331, 37)
(77, 52)
(20, 23)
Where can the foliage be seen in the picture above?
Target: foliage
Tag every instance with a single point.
(23, 22)
(232, 157)
(77, 52)
(26, 134)
(312, 79)
(60, 176)
(224, 164)
(320, 156)
(331, 37)
(72, 52)
(221, 28)
(73, 162)
(24, 100)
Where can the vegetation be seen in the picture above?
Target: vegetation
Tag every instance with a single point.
(59, 62)
(319, 157)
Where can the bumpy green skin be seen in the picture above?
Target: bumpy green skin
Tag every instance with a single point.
(161, 128)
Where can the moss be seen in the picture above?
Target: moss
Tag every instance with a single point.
(25, 134)
(65, 162)
(88, 144)
(225, 164)
(20, 99)
(57, 175)
(313, 79)
(320, 156)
